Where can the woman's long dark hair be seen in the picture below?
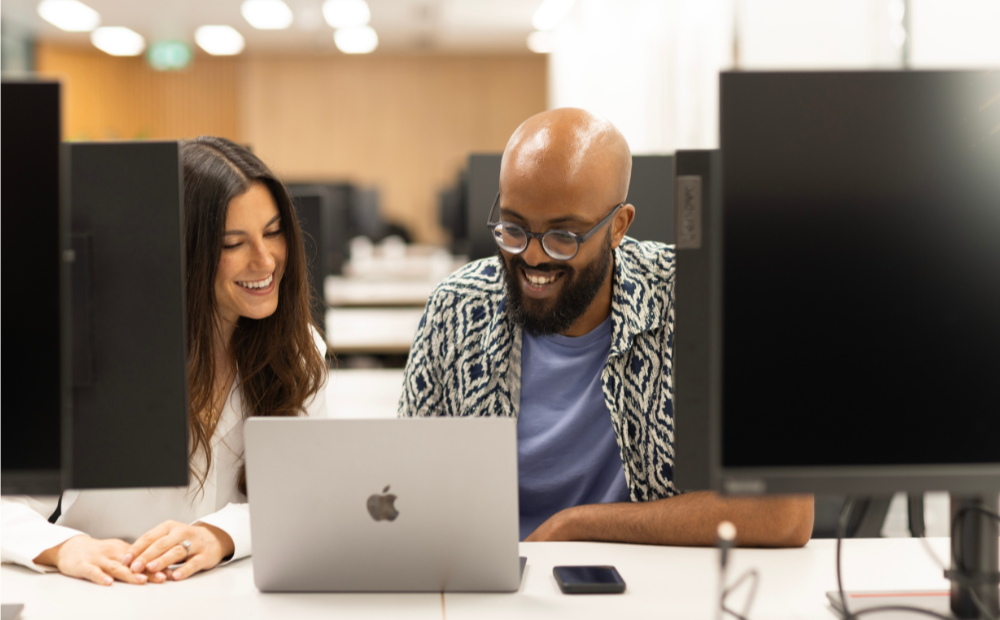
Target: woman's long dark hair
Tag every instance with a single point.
(276, 357)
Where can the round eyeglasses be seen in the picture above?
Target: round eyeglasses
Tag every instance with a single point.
(558, 244)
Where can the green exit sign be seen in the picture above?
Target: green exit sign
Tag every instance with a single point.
(169, 55)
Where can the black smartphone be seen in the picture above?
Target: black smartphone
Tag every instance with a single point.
(589, 579)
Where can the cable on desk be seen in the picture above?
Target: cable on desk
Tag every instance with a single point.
(959, 575)
(750, 574)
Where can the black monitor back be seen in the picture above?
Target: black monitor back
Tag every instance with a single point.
(322, 212)
(129, 355)
(860, 281)
(698, 183)
(32, 232)
(651, 191)
(484, 181)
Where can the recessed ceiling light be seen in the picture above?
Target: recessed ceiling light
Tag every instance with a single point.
(118, 41)
(356, 39)
(219, 40)
(540, 42)
(548, 15)
(346, 13)
(267, 14)
(69, 15)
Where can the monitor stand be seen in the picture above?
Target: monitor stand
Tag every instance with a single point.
(977, 546)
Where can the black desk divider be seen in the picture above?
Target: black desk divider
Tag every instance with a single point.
(129, 397)
(698, 182)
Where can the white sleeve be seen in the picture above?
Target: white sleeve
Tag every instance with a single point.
(316, 406)
(234, 520)
(26, 532)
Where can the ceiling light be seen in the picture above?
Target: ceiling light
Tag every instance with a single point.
(118, 41)
(540, 42)
(548, 15)
(356, 39)
(69, 15)
(219, 40)
(346, 13)
(267, 14)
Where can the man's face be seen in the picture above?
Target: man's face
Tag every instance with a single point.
(545, 295)
(564, 294)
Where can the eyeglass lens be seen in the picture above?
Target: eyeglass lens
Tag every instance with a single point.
(512, 238)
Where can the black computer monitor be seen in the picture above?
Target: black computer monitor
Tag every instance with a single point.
(854, 341)
(129, 332)
(484, 180)
(651, 192)
(323, 216)
(698, 192)
(365, 216)
(32, 228)
(860, 275)
(453, 213)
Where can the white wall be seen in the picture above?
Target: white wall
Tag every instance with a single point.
(651, 66)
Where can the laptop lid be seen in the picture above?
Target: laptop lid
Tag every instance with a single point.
(404, 505)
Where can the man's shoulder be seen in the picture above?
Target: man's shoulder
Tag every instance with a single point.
(478, 280)
(653, 252)
(651, 260)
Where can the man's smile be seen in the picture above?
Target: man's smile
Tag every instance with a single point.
(539, 284)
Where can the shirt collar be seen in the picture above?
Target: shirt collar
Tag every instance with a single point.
(635, 306)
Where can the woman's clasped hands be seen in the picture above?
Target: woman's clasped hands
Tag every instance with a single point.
(196, 547)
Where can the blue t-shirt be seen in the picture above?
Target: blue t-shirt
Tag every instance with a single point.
(566, 449)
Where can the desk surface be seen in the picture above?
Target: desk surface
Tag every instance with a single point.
(663, 582)
(371, 330)
(341, 291)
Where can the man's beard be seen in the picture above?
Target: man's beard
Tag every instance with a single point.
(555, 316)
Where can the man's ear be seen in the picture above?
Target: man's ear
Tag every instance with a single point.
(620, 224)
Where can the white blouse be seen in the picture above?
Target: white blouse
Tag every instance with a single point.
(127, 514)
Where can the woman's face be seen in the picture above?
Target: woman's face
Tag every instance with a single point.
(253, 257)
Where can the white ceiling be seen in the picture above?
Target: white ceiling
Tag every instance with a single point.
(402, 25)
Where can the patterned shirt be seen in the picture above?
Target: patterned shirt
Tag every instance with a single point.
(466, 358)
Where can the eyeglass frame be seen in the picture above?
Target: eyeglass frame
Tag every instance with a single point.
(491, 225)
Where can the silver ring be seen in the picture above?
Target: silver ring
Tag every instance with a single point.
(187, 548)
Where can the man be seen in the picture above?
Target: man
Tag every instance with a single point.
(570, 329)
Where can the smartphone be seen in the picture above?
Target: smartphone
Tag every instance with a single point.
(589, 579)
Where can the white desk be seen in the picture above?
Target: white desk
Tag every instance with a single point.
(341, 291)
(357, 393)
(663, 582)
(371, 330)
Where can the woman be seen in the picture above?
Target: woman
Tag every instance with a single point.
(252, 351)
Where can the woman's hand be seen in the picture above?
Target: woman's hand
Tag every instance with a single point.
(163, 545)
(94, 560)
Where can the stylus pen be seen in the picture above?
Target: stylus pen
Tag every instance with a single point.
(726, 537)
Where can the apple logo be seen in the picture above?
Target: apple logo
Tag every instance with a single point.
(380, 506)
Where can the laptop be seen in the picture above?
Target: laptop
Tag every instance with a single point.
(385, 505)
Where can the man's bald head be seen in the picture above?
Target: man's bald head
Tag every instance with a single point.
(570, 153)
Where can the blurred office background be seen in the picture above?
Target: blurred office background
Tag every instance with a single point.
(385, 101)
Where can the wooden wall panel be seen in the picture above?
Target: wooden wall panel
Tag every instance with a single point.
(108, 98)
(404, 124)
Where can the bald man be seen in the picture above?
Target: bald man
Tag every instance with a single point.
(570, 330)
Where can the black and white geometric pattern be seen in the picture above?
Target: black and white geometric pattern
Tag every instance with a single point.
(466, 358)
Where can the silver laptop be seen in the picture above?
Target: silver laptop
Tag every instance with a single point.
(407, 505)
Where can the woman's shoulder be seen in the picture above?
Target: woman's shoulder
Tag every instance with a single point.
(318, 340)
